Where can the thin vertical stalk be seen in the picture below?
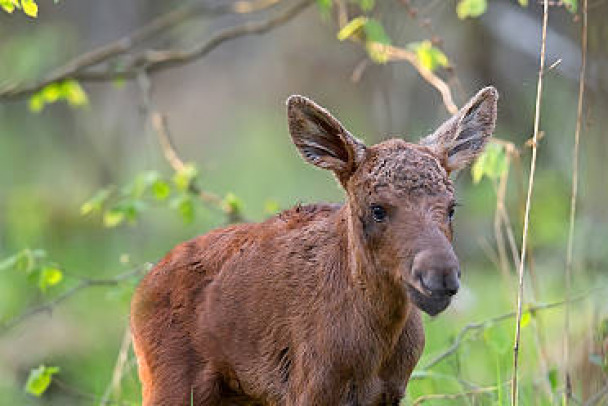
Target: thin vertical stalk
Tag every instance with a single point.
(524, 244)
(575, 153)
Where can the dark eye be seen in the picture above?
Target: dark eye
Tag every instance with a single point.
(378, 213)
(451, 212)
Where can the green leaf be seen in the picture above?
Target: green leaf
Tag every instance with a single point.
(571, 5)
(30, 8)
(429, 56)
(74, 93)
(185, 207)
(552, 376)
(8, 5)
(353, 27)
(491, 163)
(471, 8)
(232, 203)
(36, 103)
(95, 203)
(374, 32)
(367, 5)
(523, 3)
(39, 379)
(525, 319)
(49, 276)
(184, 177)
(324, 7)
(113, 217)
(161, 190)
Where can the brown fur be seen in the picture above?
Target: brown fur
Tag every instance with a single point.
(319, 304)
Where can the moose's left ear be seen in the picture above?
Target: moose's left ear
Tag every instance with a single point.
(462, 138)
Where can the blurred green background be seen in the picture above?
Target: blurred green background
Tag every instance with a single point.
(226, 115)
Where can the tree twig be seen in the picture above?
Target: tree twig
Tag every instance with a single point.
(50, 305)
(151, 61)
(520, 290)
(575, 153)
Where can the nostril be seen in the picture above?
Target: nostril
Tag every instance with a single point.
(451, 283)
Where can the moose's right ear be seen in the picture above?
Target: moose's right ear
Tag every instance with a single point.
(321, 139)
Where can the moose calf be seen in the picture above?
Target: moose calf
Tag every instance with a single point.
(318, 305)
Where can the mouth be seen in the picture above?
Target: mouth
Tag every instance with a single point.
(425, 300)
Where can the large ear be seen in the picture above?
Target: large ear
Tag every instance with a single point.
(462, 138)
(321, 139)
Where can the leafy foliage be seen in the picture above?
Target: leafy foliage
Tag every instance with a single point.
(29, 7)
(492, 163)
(471, 8)
(429, 56)
(67, 90)
(39, 379)
(372, 32)
(36, 265)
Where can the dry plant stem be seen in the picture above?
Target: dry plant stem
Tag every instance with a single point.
(113, 388)
(151, 61)
(575, 154)
(50, 305)
(498, 234)
(520, 290)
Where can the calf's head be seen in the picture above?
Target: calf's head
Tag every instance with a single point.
(400, 197)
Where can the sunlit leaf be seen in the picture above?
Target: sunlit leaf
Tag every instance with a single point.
(523, 3)
(161, 190)
(232, 203)
(491, 163)
(36, 103)
(74, 93)
(8, 5)
(39, 379)
(113, 217)
(525, 319)
(49, 276)
(429, 56)
(185, 176)
(353, 27)
(30, 8)
(571, 5)
(95, 203)
(471, 8)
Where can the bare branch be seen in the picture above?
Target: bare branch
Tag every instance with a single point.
(520, 291)
(153, 61)
(577, 134)
(50, 305)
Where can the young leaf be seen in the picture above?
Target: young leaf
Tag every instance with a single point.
(571, 5)
(429, 56)
(185, 176)
(7, 5)
(374, 32)
(49, 276)
(30, 8)
(185, 207)
(232, 203)
(113, 217)
(161, 190)
(74, 93)
(491, 163)
(324, 7)
(95, 203)
(39, 379)
(352, 28)
(471, 8)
